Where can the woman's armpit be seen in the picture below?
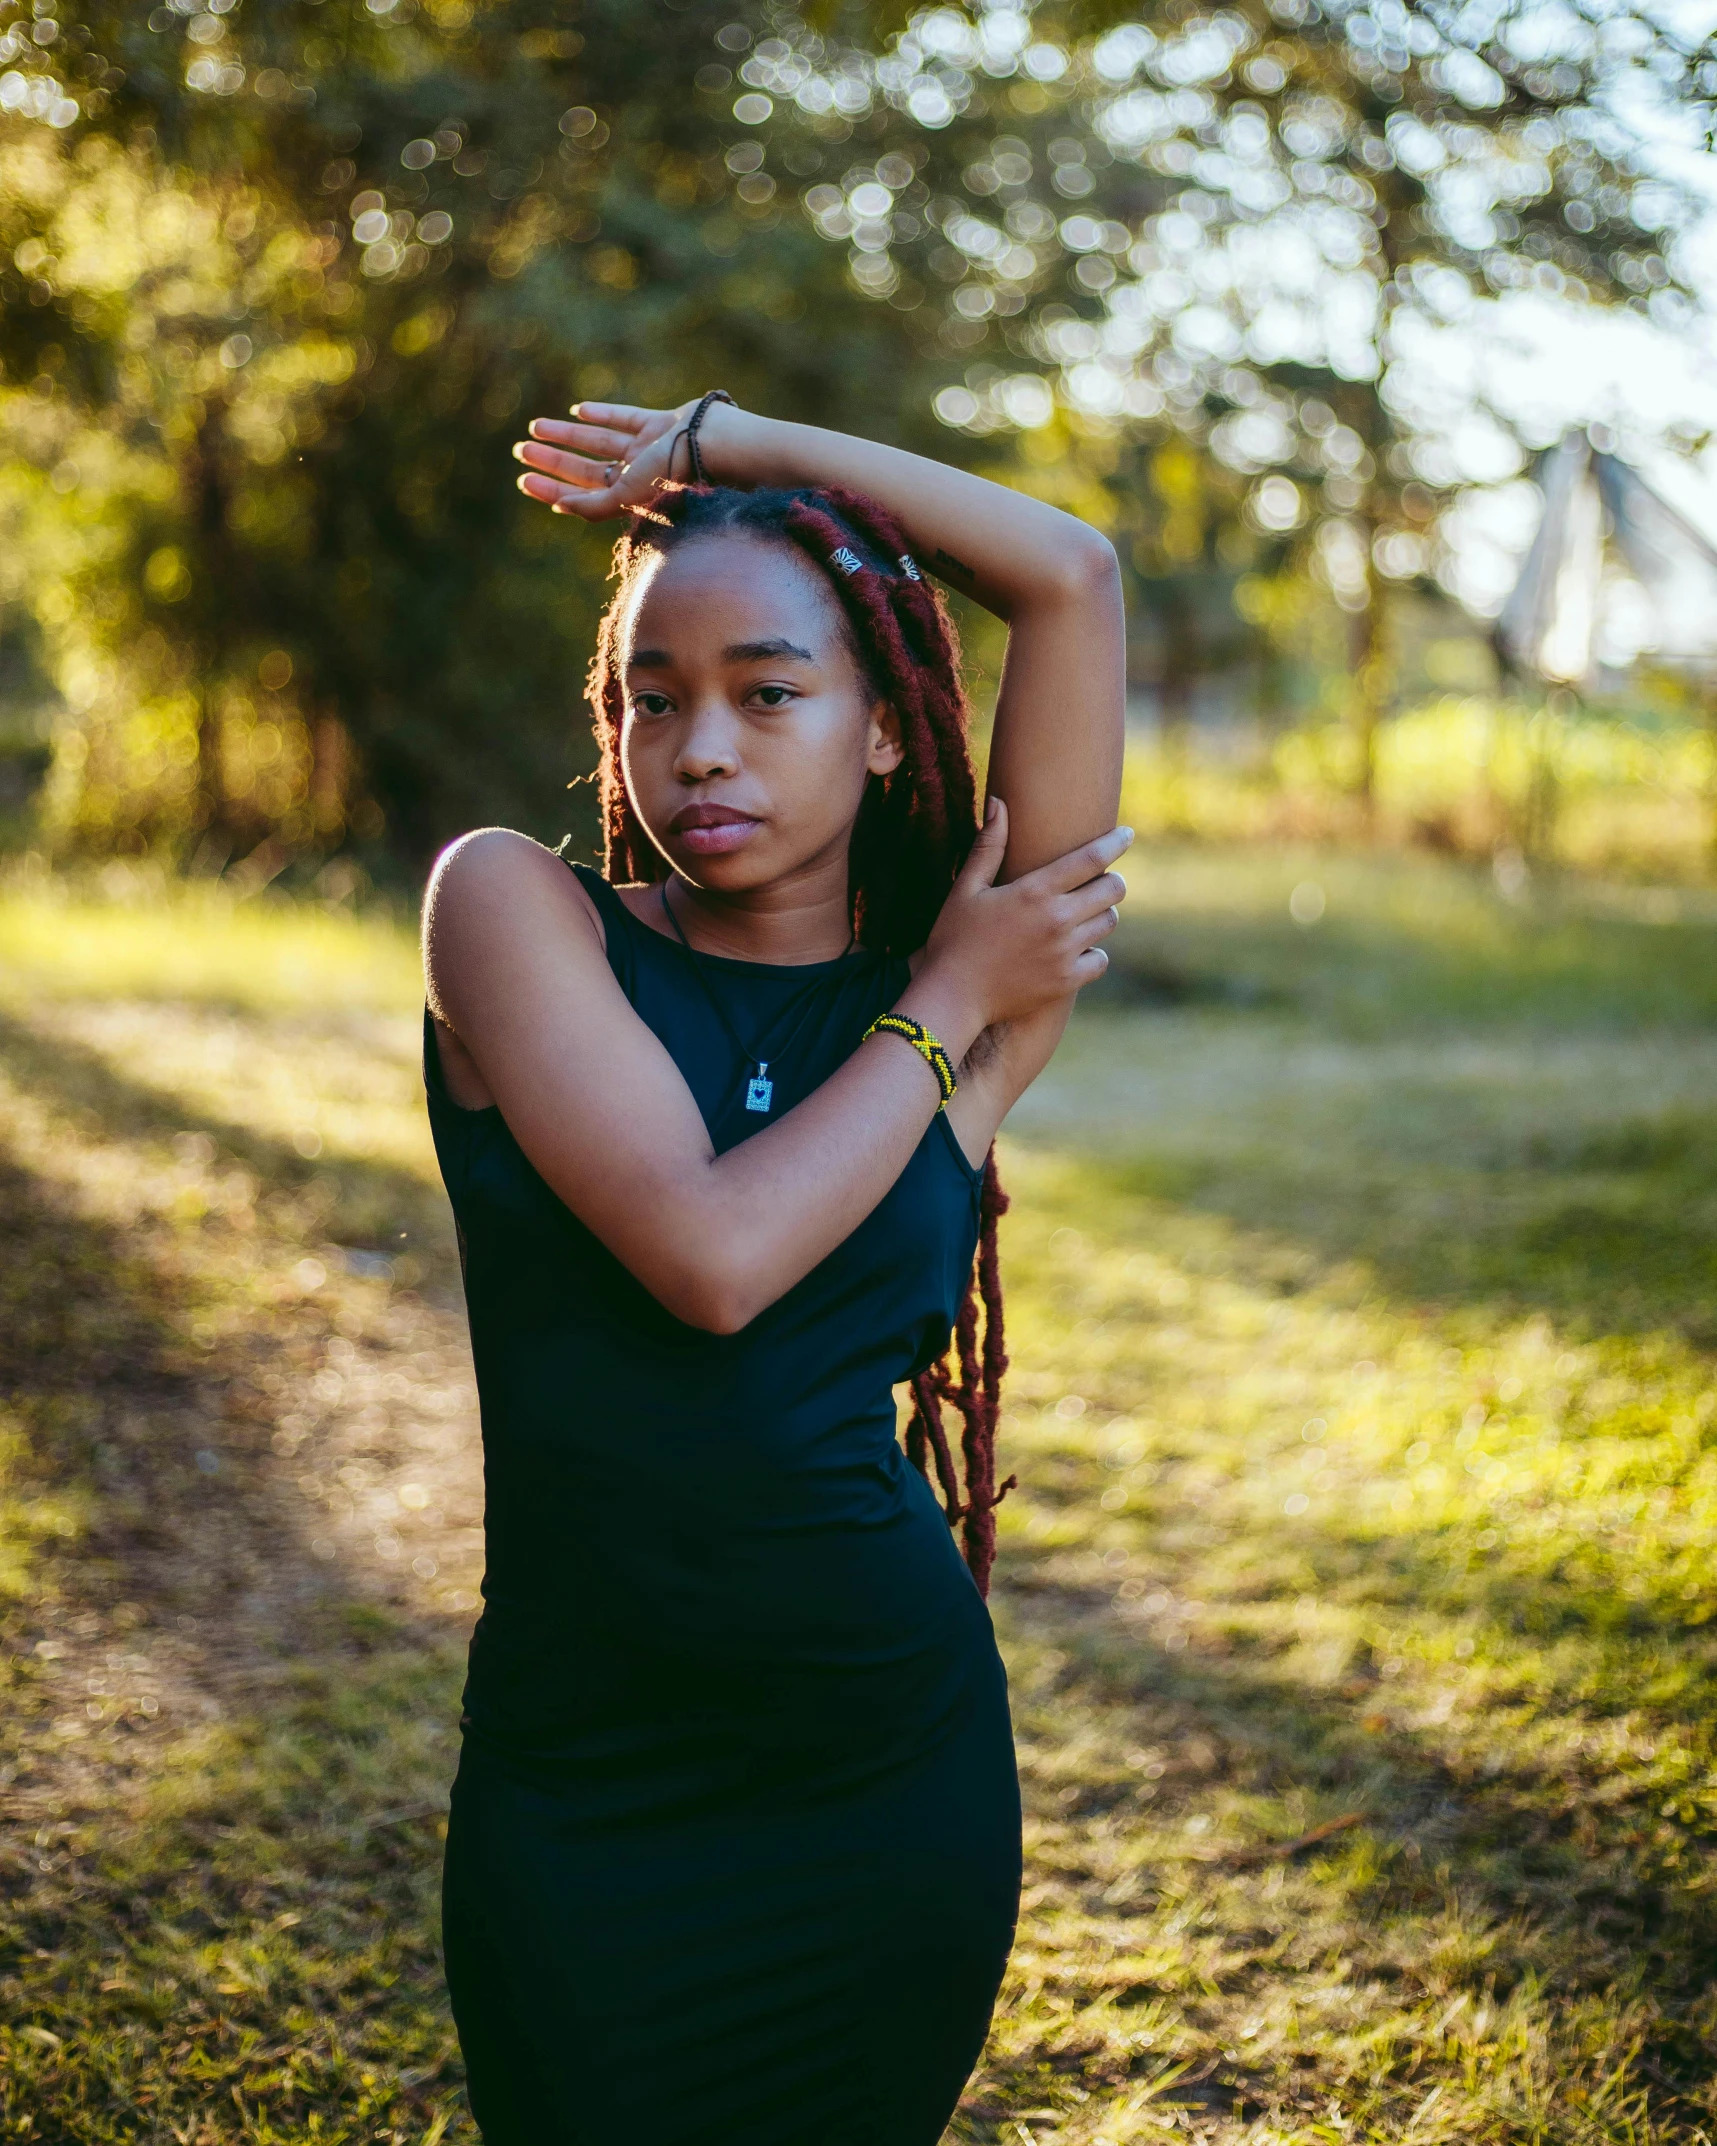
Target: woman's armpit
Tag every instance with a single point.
(998, 1069)
(464, 1085)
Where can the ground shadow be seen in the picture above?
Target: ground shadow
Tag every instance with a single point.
(366, 1204)
(1566, 1893)
(1608, 1230)
(1645, 1631)
(222, 1755)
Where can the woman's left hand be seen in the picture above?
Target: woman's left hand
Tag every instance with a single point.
(608, 458)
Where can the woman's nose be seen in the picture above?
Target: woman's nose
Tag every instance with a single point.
(709, 746)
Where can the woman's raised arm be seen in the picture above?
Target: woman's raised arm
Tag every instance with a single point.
(1056, 752)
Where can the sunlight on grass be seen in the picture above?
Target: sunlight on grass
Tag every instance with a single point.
(1360, 1594)
(1295, 1556)
(1393, 941)
(200, 943)
(1600, 792)
(1361, 1578)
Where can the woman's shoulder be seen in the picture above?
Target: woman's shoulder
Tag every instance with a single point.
(501, 857)
(491, 884)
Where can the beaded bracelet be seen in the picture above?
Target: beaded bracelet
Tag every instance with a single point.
(924, 1043)
(689, 433)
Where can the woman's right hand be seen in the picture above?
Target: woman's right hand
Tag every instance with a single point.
(608, 459)
(1011, 951)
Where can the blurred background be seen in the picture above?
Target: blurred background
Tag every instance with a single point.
(1360, 1593)
(1310, 308)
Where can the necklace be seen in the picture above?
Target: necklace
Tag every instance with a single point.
(759, 1088)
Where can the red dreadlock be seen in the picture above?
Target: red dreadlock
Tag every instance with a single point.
(914, 830)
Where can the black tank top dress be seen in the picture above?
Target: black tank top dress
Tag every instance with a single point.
(734, 1849)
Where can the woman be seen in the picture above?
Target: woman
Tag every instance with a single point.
(734, 1847)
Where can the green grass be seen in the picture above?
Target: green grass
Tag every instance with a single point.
(1360, 1595)
(1619, 791)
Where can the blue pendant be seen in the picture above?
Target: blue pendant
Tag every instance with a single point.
(759, 1093)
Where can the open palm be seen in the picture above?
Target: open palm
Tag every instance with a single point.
(604, 460)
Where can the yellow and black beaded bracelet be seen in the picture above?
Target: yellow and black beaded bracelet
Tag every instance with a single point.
(923, 1042)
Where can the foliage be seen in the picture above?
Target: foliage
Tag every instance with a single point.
(285, 276)
(1252, 226)
(1357, 1597)
(281, 296)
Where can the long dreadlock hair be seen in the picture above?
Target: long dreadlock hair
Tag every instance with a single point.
(914, 830)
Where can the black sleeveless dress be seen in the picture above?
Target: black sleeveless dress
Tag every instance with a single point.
(734, 1849)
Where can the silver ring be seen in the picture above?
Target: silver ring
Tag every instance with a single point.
(610, 470)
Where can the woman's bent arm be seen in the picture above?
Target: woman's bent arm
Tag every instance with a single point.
(1056, 751)
(518, 974)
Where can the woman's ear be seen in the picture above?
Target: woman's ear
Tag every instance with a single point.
(886, 750)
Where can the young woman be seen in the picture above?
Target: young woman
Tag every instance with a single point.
(734, 1848)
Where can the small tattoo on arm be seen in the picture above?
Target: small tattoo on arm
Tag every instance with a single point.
(947, 560)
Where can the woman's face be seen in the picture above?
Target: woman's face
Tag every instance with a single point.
(750, 730)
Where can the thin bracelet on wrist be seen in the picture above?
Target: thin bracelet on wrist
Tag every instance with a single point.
(689, 433)
(924, 1043)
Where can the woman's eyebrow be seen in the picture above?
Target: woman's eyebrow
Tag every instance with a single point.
(765, 651)
(658, 659)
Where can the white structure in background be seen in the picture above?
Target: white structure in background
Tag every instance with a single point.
(1615, 573)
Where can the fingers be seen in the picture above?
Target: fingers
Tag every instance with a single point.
(1062, 874)
(1086, 939)
(1097, 856)
(590, 506)
(567, 468)
(1094, 913)
(606, 443)
(625, 417)
(990, 848)
(548, 489)
(1106, 891)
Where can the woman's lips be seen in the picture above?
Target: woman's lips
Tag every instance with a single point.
(712, 830)
(717, 841)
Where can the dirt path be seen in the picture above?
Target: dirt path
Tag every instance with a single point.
(243, 1477)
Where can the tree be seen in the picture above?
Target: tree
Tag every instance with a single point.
(1242, 224)
(285, 273)
(284, 279)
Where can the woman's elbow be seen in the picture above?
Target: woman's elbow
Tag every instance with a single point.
(1085, 565)
(717, 1299)
(1095, 564)
(704, 1260)
(715, 1311)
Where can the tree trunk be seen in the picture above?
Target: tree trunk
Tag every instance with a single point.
(1708, 699)
(1175, 682)
(330, 780)
(1368, 693)
(206, 498)
(1179, 672)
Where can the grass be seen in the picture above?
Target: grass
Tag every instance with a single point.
(1360, 1596)
(1629, 793)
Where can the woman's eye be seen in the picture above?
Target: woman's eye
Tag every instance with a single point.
(773, 696)
(651, 703)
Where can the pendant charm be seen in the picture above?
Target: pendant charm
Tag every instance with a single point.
(759, 1093)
